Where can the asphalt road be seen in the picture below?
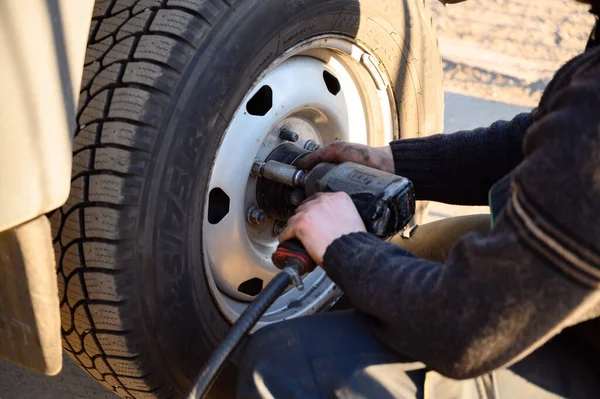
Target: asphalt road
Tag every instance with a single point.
(72, 383)
(466, 112)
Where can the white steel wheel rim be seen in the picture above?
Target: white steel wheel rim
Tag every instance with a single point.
(303, 100)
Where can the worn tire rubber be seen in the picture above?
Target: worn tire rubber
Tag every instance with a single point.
(162, 79)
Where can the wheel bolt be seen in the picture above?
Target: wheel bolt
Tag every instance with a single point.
(256, 215)
(288, 135)
(310, 145)
(278, 227)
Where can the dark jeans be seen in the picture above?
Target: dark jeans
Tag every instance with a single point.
(336, 355)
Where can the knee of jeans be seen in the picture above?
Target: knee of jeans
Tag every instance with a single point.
(261, 346)
(260, 352)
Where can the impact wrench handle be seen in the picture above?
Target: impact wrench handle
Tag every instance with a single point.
(292, 252)
(295, 261)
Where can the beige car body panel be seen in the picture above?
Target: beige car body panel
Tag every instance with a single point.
(42, 47)
(42, 43)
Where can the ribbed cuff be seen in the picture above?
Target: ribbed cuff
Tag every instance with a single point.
(420, 161)
(348, 253)
(415, 156)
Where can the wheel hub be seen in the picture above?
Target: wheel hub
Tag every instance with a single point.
(316, 93)
(277, 200)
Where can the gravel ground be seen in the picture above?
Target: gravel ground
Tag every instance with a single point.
(507, 50)
(498, 57)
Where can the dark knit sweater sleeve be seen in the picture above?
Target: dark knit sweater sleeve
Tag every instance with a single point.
(493, 302)
(460, 168)
(497, 298)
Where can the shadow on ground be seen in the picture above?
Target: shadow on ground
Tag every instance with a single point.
(72, 383)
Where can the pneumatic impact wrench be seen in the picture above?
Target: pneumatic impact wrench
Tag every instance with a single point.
(385, 202)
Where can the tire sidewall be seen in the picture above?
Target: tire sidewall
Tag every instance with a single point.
(179, 314)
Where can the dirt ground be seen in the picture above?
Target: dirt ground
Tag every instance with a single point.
(507, 50)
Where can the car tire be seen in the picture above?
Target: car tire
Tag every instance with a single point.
(162, 80)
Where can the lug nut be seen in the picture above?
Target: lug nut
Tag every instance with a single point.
(278, 227)
(296, 197)
(257, 168)
(310, 145)
(256, 215)
(288, 135)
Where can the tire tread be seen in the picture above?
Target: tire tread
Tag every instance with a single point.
(137, 52)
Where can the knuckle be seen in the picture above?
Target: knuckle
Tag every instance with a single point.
(319, 202)
(300, 234)
(340, 195)
(327, 199)
(294, 220)
(301, 229)
(333, 196)
(301, 220)
(337, 147)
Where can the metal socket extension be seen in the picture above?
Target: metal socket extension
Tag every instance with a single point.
(282, 173)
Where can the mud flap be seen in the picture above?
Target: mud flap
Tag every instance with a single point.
(29, 305)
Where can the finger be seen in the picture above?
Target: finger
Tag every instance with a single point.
(286, 234)
(318, 197)
(311, 160)
(302, 207)
(329, 153)
(289, 232)
(309, 202)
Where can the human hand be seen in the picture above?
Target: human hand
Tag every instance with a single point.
(340, 151)
(322, 219)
